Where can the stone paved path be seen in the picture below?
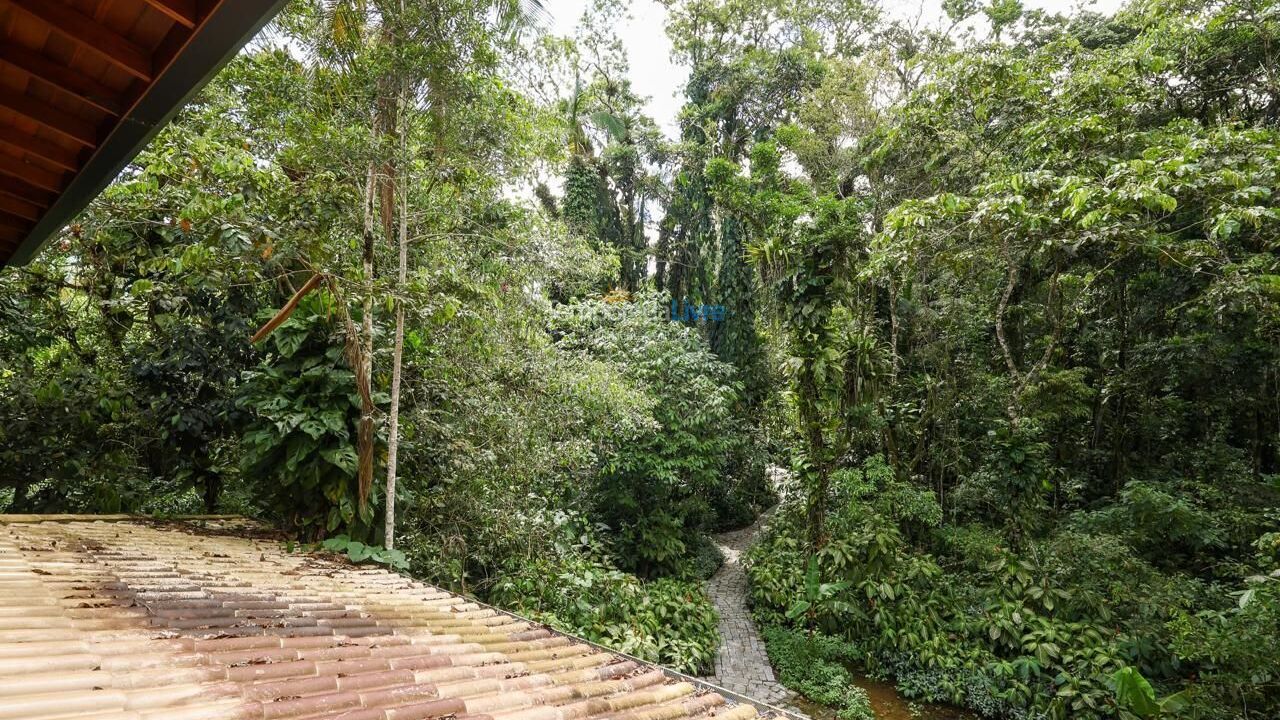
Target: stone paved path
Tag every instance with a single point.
(741, 663)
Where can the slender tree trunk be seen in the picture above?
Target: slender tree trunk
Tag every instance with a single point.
(364, 436)
(212, 488)
(397, 359)
(893, 327)
(399, 123)
(387, 108)
(1120, 438)
(663, 250)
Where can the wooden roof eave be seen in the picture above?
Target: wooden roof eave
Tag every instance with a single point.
(210, 44)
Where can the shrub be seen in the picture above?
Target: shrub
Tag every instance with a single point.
(814, 666)
(1000, 635)
(299, 446)
(707, 557)
(1237, 649)
(577, 589)
(663, 484)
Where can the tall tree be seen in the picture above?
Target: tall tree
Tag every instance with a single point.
(610, 145)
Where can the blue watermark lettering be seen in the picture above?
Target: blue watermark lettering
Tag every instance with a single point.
(691, 313)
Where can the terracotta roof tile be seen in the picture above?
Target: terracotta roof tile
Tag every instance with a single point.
(148, 621)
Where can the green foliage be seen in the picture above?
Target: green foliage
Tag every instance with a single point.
(660, 488)
(1136, 696)
(582, 199)
(1006, 303)
(818, 597)
(815, 667)
(128, 382)
(997, 640)
(123, 342)
(575, 587)
(706, 557)
(298, 448)
(606, 195)
(1236, 647)
(358, 552)
(1031, 355)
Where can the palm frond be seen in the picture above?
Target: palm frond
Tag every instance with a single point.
(611, 124)
(516, 16)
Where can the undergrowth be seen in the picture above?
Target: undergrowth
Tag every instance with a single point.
(814, 666)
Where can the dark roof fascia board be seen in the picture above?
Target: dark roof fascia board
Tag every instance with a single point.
(231, 26)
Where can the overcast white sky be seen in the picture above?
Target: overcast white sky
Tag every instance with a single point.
(653, 74)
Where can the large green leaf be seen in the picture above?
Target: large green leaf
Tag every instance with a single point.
(611, 124)
(1135, 693)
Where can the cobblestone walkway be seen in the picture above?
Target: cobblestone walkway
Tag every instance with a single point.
(741, 663)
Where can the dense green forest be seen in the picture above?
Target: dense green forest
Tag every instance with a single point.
(990, 308)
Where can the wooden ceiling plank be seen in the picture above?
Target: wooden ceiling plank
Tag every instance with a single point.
(90, 34)
(62, 78)
(13, 221)
(21, 208)
(10, 238)
(33, 176)
(72, 128)
(22, 191)
(56, 154)
(182, 12)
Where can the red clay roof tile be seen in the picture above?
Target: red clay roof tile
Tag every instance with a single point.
(143, 621)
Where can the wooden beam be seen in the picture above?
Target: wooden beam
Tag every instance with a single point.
(26, 192)
(62, 78)
(182, 12)
(47, 116)
(89, 33)
(32, 175)
(54, 153)
(13, 221)
(11, 238)
(169, 47)
(21, 208)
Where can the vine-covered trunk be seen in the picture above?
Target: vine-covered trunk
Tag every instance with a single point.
(818, 476)
(364, 374)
